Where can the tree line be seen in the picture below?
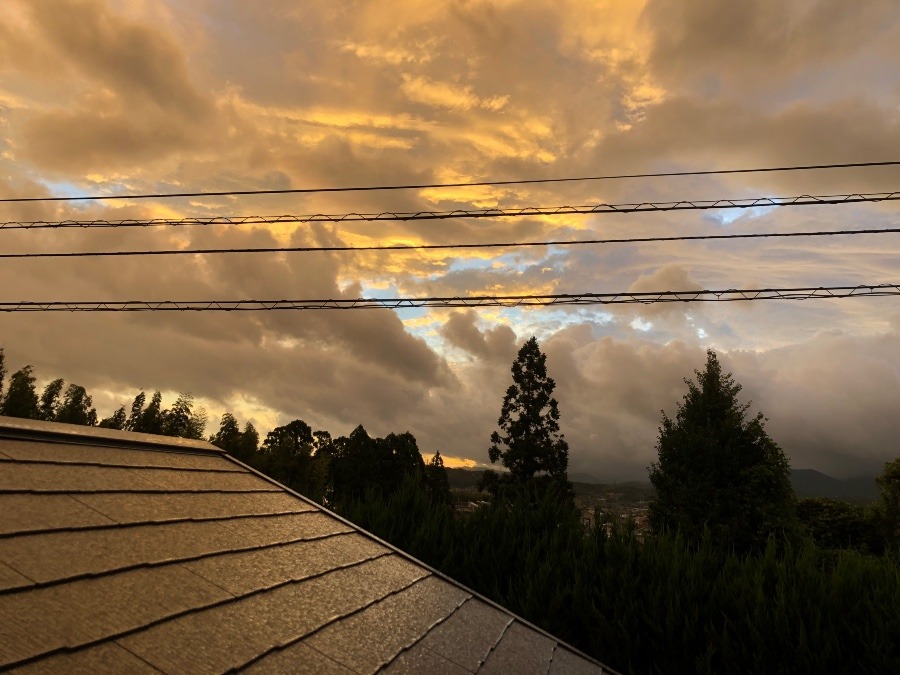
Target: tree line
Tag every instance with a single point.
(332, 471)
(735, 574)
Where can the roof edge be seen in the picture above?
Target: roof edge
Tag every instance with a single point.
(56, 432)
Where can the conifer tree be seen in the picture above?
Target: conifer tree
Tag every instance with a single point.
(437, 484)
(529, 443)
(718, 469)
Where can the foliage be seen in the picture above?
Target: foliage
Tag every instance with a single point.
(249, 445)
(718, 469)
(436, 482)
(665, 604)
(76, 407)
(50, 399)
(529, 443)
(182, 420)
(359, 463)
(179, 420)
(228, 437)
(835, 524)
(287, 455)
(115, 421)
(20, 399)
(888, 505)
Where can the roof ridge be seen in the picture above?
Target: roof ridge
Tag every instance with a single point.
(57, 432)
(60, 462)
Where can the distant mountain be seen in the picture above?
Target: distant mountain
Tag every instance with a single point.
(463, 478)
(812, 483)
(580, 477)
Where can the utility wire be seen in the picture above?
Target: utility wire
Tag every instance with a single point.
(646, 298)
(442, 247)
(230, 193)
(684, 205)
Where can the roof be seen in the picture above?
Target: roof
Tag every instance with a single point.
(137, 553)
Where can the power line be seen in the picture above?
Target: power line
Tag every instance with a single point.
(597, 209)
(442, 247)
(645, 298)
(370, 188)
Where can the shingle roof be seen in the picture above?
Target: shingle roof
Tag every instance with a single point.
(126, 552)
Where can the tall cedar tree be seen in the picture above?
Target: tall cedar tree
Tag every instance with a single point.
(718, 469)
(529, 443)
(436, 481)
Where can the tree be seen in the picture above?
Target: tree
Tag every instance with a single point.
(50, 399)
(249, 445)
(228, 437)
(181, 420)
(77, 407)
(150, 419)
(118, 420)
(359, 463)
(137, 410)
(21, 399)
(2, 374)
(888, 505)
(718, 469)
(529, 443)
(436, 482)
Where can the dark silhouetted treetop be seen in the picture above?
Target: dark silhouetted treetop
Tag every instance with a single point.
(77, 407)
(21, 399)
(228, 437)
(249, 445)
(359, 463)
(718, 469)
(529, 441)
(147, 420)
(50, 399)
(436, 481)
(117, 420)
(181, 419)
(2, 373)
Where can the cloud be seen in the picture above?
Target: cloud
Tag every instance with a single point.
(107, 97)
(497, 343)
(759, 41)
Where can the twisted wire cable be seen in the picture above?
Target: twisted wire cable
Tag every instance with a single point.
(643, 298)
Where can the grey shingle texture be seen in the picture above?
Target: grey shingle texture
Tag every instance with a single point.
(132, 553)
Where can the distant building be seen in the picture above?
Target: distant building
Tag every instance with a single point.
(131, 553)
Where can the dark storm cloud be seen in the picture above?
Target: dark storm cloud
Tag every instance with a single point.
(727, 44)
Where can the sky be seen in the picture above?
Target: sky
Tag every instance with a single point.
(148, 96)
